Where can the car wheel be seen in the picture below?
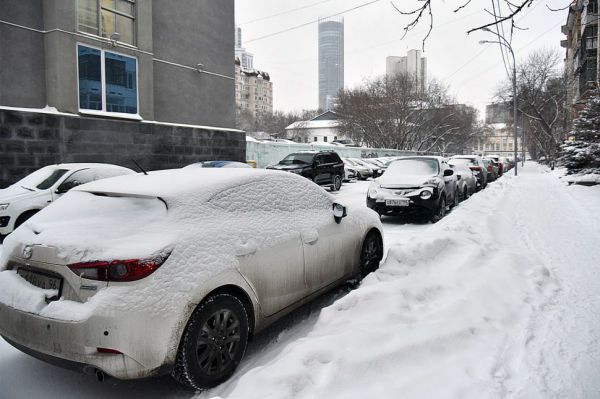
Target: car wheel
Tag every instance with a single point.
(337, 183)
(371, 254)
(359, 176)
(440, 212)
(213, 343)
(24, 217)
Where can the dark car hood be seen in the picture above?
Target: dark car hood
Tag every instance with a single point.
(287, 167)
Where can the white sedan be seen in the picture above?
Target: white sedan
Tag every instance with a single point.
(171, 273)
(27, 196)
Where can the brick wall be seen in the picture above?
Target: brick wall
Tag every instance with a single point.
(29, 141)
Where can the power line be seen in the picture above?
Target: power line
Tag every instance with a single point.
(312, 22)
(284, 12)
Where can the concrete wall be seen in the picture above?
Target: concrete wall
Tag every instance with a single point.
(266, 154)
(22, 79)
(191, 32)
(29, 141)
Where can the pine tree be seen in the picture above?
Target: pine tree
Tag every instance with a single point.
(582, 155)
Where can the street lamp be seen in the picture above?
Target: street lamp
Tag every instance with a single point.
(503, 42)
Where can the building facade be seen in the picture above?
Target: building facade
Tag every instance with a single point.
(324, 128)
(499, 134)
(331, 61)
(126, 61)
(413, 64)
(253, 91)
(581, 47)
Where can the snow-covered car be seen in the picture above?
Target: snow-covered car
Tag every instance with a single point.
(423, 185)
(362, 172)
(465, 179)
(475, 163)
(377, 170)
(172, 272)
(39, 189)
(220, 164)
(492, 169)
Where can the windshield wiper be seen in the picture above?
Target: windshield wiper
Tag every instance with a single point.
(27, 188)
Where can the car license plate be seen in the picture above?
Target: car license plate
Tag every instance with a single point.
(397, 202)
(40, 280)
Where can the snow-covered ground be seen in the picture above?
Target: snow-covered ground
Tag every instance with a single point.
(500, 299)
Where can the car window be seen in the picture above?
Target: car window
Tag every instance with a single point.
(52, 179)
(273, 194)
(302, 159)
(84, 176)
(319, 160)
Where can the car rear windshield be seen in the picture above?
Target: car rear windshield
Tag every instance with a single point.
(301, 159)
(463, 161)
(415, 167)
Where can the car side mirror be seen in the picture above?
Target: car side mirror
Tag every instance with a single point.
(448, 173)
(339, 212)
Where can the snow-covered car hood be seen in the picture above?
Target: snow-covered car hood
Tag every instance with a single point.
(15, 193)
(407, 181)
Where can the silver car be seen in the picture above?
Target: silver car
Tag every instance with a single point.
(171, 273)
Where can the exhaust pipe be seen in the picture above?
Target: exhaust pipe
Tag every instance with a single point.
(100, 376)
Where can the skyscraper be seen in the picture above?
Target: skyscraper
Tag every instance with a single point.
(413, 64)
(331, 61)
(246, 58)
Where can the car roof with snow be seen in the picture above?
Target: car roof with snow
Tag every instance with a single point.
(74, 166)
(203, 183)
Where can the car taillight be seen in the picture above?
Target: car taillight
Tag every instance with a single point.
(490, 168)
(118, 270)
(475, 168)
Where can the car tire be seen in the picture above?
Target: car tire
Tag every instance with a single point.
(371, 254)
(337, 183)
(213, 343)
(25, 216)
(440, 212)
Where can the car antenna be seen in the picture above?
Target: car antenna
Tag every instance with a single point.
(139, 167)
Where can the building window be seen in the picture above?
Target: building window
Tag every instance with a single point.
(325, 139)
(316, 139)
(105, 17)
(107, 81)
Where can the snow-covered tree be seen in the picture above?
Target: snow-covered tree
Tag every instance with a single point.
(581, 155)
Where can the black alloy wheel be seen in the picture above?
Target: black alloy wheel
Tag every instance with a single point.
(371, 254)
(213, 343)
(337, 183)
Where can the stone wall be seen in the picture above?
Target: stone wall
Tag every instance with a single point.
(29, 141)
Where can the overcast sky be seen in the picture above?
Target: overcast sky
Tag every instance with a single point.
(374, 32)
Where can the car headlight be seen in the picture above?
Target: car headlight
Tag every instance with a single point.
(373, 190)
(4, 207)
(351, 171)
(426, 194)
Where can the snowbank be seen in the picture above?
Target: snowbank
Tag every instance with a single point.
(436, 321)
(584, 180)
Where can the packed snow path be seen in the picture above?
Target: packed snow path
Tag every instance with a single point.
(498, 300)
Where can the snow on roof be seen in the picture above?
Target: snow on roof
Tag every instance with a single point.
(313, 125)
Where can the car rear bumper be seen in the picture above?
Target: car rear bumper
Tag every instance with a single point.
(74, 345)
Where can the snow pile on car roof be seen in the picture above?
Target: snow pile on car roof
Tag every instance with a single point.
(434, 321)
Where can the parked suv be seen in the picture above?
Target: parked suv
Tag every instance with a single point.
(325, 168)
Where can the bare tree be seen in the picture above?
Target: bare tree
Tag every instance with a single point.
(541, 95)
(501, 11)
(393, 112)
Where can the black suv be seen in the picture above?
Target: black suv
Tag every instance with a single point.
(325, 168)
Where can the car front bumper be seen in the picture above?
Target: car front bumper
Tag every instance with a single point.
(143, 343)
(417, 206)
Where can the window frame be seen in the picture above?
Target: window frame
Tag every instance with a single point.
(103, 111)
(99, 9)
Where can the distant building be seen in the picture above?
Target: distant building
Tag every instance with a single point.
(413, 64)
(581, 58)
(324, 128)
(331, 61)
(499, 137)
(253, 91)
(253, 88)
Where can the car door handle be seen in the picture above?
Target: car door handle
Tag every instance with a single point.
(310, 236)
(246, 249)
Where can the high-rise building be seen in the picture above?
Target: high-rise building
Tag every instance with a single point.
(246, 58)
(413, 64)
(331, 61)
